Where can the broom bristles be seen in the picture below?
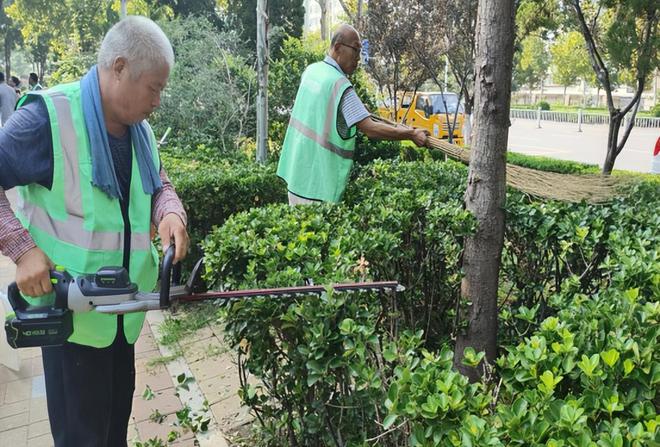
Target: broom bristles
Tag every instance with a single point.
(592, 188)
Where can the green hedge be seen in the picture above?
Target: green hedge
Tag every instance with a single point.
(212, 190)
(579, 317)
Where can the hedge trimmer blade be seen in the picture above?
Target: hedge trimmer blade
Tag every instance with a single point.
(379, 286)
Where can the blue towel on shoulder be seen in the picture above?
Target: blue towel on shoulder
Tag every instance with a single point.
(103, 171)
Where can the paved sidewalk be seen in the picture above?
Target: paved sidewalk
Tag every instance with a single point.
(211, 386)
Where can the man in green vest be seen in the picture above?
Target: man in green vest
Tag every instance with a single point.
(91, 185)
(319, 145)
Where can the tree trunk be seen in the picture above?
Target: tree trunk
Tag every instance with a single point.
(262, 80)
(486, 189)
(612, 140)
(7, 55)
(324, 19)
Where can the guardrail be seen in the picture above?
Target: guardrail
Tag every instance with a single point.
(577, 117)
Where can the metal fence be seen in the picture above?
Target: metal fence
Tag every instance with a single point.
(577, 117)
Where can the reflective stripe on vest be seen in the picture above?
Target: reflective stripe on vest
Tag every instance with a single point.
(81, 228)
(72, 230)
(316, 160)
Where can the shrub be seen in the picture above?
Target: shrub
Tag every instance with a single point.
(543, 105)
(655, 111)
(210, 96)
(212, 191)
(541, 163)
(579, 307)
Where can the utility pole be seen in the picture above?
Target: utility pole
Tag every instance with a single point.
(123, 8)
(262, 81)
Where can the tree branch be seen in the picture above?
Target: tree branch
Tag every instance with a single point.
(348, 12)
(596, 60)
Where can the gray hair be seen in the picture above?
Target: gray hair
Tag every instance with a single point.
(140, 41)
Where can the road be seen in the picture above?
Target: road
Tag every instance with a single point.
(563, 141)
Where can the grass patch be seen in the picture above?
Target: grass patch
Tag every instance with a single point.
(190, 319)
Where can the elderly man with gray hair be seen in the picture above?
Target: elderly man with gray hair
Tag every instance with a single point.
(318, 150)
(91, 185)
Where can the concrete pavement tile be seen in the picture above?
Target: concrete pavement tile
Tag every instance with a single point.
(14, 438)
(18, 390)
(38, 429)
(220, 388)
(24, 372)
(3, 390)
(38, 410)
(38, 386)
(37, 366)
(203, 349)
(154, 353)
(14, 421)
(185, 443)
(164, 401)
(132, 434)
(201, 334)
(29, 353)
(14, 408)
(208, 368)
(149, 429)
(157, 379)
(145, 343)
(41, 441)
(229, 414)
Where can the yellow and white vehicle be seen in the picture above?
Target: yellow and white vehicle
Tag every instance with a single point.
(430, 111)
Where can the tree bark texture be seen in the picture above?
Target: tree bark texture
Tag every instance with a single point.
(486, 189)
(262, 80)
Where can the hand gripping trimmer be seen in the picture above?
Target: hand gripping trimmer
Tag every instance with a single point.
(110, 291)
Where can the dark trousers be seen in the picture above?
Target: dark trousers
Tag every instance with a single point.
(90, 392)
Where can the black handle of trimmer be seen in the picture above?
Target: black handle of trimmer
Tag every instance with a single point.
(168, 272)
(60, 281)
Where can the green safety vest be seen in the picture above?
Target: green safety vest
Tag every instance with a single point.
(80, 227)
(316, 160)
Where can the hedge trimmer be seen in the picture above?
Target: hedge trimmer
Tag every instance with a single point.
(110, 291)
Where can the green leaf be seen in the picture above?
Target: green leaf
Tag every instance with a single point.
(610, 357)
(389, 420)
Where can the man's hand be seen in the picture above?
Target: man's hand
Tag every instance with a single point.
(172, 229)
(33, 273)
(419, 137)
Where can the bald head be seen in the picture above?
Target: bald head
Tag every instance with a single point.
(343, 34)
(345, 48)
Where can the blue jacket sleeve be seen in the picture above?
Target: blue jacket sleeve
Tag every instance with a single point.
(26, 148)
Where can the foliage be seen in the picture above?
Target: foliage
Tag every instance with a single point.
(210, 96)
(296, 347)
(551, 164)
(655, 111)
(212, 190)
(532, 62)
(543, 105)
(622, 39)
(392, 31)
(285, 18)
(570, 60)
(579, 316)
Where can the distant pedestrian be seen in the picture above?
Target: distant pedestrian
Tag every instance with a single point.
(34, 82)
(16, 83)
(8, 99)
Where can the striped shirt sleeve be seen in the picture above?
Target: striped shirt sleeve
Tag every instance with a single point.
(352, 108)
